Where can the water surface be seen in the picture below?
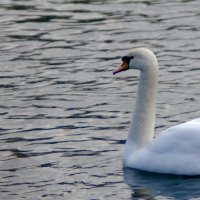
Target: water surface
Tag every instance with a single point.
(64, 117)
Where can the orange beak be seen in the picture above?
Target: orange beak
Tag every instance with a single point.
(121, 68)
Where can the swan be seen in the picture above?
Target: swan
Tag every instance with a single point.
(175, 150)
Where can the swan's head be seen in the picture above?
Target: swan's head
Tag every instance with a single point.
(139, 58)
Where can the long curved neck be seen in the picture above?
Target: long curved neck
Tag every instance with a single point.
(141, 130)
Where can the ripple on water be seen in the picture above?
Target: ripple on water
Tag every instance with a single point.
(64, 117)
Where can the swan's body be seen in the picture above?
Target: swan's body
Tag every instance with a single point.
(175, 150)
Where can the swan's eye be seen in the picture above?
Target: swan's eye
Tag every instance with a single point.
(127, 58)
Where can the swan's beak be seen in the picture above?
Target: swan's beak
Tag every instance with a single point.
(121, 68)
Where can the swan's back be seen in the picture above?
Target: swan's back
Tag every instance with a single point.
(174, 151)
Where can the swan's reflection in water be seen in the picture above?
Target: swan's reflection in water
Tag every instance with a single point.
(157, 186)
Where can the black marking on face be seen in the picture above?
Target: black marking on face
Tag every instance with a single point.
(127, 58)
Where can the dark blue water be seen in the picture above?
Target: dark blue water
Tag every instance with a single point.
(64, 117)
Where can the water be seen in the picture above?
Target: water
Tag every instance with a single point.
(64, 117)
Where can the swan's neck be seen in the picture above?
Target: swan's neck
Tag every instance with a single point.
(141, 130)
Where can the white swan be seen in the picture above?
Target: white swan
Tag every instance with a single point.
(175, 150)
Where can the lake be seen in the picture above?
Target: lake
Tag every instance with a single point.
(65, 117)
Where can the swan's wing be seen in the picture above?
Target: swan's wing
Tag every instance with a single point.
(174, 151)
(194, 121)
